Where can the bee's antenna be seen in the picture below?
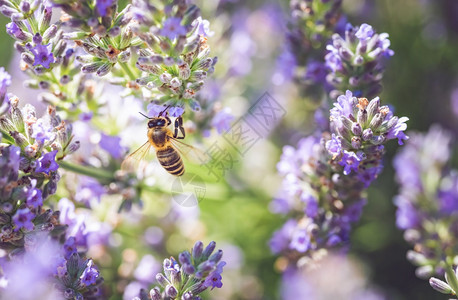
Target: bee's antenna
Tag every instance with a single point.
(144, 115)
(164, 110)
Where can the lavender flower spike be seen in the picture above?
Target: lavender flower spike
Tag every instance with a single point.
(356, 61)
(325, 178)
(426, 205)
(198, 271)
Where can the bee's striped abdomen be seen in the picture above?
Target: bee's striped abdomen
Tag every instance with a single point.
(171, 161)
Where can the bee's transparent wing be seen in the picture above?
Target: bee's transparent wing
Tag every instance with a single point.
(191, 153)
(133, 160)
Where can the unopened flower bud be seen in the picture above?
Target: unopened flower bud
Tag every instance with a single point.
(441, 286)
(373, 107)
(184, 71)
(216, 257)
(60, 48)
(175, 82)
(184, 257)
(161, 279)
(356, 129)
(27, 58)
(197, 250)
(189, 268)
(378, 139)
(171, 291)
(376, 121)
(416, 258)
(50, 32)
(115, 31)
(155, 294)
(165, 77)
(91, 68)
(367, 134)
(44, 85)
(424, 271)
(24, 6)
(362, 116)
(356, 142)
(104, 69)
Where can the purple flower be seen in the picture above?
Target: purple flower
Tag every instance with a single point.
(171, 265)
(90, 274)
(35, 198)
(311, 205)
(316, 72)
(67, 211)
(69, 247)
(23, 219)
(368, 175)
(175, 111)
(214, 278)
(281, 238)
(154, 109)
(222, 120)
(397, 131)
(333, 240)
(42, 132)
(173, 28)
(353, 212)
(13, 30)
(202, 27)
(300, 240)
(333, 60)
(334, 146)
(47, 163)
(112, 144)
(350, 161)
(344, 106)
(43, 55)
(103, 6)
(365, 32)
(77, 228)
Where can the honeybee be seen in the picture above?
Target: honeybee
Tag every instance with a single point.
(166, 143)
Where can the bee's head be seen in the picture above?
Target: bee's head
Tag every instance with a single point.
(158, 122)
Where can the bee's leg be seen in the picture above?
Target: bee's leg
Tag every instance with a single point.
(179, 124)
(168, 121)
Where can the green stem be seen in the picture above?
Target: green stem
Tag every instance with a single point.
(33, 24)
(88, 171)
(152, 189)
(184, 286)
(127, 70)
(451, 276)
(7, 137)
